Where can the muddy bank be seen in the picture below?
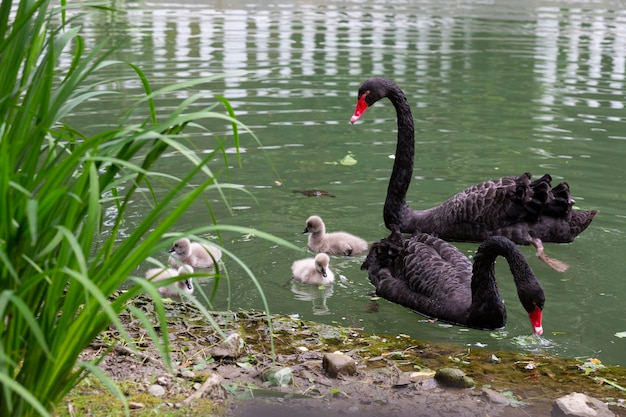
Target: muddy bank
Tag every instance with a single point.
(394, 374)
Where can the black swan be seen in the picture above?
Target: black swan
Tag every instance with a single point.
(527, 212)
(432, 277)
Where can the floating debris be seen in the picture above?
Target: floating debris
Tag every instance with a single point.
(314, 193)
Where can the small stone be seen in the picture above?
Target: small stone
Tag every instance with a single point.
(495, 398)
(188, 374)
(229, 348)
(418, 376)
(162, 380)
(454, 377)
(156, 390)
(338, 363)
(279, 376)
(580, 405)
(135, 405)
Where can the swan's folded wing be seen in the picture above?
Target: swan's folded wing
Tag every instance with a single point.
(431, 267)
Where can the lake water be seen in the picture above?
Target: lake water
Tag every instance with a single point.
(496, 87)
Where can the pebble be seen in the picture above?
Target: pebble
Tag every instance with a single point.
(494, 397)
(338, 363)
(580, 405)
(156, 390)
(188, 374)
(454, 377)
(229, 348)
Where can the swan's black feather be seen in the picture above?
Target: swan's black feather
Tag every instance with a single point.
(519, 208)
(432, 277)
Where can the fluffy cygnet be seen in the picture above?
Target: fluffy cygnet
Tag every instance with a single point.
(159, 274)
(338, 243)
(196, 254)
(313, 271)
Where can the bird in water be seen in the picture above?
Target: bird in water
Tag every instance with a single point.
(336, 243)
(159, 274)
(313, 271)
(529, 212)
(432, 277)
(197, 255)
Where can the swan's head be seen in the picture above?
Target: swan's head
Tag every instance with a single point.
(369, 93)
(186, 285)
(181, 247)
(322, 261)
(533, 299)
(314, 224)
(535, 320)
(185, 269)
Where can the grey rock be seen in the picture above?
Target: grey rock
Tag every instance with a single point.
(278, 376)
(229, 348)
(338, 363)
(188, 374)
(454, 377)
(580, 405)
(494, 397)
(156, 390)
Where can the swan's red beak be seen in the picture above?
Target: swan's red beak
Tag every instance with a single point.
(535, 320)
(361, 106)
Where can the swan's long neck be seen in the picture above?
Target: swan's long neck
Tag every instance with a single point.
(485, 295)
(395, 203)
(484, 287)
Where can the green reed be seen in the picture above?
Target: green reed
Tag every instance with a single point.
(61, 268)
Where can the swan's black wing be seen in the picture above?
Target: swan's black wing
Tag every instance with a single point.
(515, 207)
(422, 273)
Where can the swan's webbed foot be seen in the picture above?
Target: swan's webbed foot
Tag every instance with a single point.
(553, 263)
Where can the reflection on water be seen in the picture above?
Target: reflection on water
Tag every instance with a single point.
(285, 42)
(317, 295)
(497, 88)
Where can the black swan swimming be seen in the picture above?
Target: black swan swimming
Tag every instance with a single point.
(527, 212)
(432, 277)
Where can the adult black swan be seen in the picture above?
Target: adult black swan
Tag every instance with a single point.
(527, 212)
(432, 277)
